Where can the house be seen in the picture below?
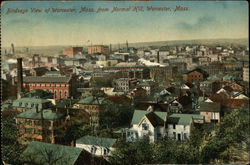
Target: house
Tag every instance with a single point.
(45, 153)
(98, 146)
(211, 111)
(41, 125)
(27, 103)
(147, 123)
(179, 125)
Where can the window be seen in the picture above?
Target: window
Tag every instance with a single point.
(144, 126)
(174, 135)
(105, 151)
(93, 149)
(185, 135)
(65, 93)
(38, 123)
(173, 126)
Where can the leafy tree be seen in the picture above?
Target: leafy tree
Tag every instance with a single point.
(127, 153)
(115, 115)
(11, 148)
(233, 130)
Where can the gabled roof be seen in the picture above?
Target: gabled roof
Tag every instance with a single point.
(43, 79)
(184, 119)
(210, 107)
(139, 114)
(38, 152)
(97, 141)
(154, 119)
(47, 114)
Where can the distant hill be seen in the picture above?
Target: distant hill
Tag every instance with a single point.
(240, 42)
(55, 50)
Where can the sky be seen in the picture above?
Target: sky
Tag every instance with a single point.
(201, 20)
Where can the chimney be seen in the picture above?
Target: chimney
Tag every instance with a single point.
(158, 56)
(127, 45)
(19, 77)
(12, 48)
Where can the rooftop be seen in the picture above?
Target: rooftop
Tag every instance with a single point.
(44, 79)
(210, 107)
(139, 114)
(47, 114)
(36, 153)
(184, 119)
(28, 102)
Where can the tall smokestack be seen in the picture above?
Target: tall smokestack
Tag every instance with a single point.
(158, 56)
(19, 77)
(127, 45)
(12, 49)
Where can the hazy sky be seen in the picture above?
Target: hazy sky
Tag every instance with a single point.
(203, 20)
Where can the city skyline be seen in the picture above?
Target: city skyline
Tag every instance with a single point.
(202, 20)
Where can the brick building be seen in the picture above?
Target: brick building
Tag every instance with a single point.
(70, 52)
(61, 87)
(94, 49)
(41, 125)
(195, 75)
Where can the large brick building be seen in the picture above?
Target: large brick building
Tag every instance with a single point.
(41, 125)
(196, 75)
(98, 49)
(61, 86)
(70, 52)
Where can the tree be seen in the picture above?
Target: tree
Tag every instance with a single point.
(114, 115)
(138, 152)
(11, 148)
(233, 130)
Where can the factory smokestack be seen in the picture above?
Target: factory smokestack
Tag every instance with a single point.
(127, 46)
(12, 49)
(19, 77)
(158, 56)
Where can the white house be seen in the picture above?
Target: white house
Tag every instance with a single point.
(179, 125)
(146, 123)
(98, 146)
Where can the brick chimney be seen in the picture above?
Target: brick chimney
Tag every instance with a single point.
(158, 56)
(19, 77)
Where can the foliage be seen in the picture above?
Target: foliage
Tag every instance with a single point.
(230, 143)
(133, 153)
(11, 149)
(234, 129)
(115, 115)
